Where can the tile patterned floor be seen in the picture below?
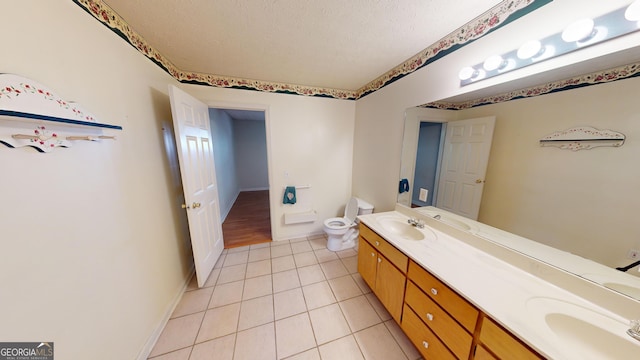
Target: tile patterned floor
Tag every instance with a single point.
(282, 300)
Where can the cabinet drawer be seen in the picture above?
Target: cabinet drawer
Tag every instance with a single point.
(502, 343)
(395, 256)
(441, 323)
(424, 339)
(465, 313)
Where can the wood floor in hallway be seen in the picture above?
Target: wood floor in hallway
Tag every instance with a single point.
(249, 220)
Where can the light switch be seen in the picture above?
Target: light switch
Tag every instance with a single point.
(423, 194)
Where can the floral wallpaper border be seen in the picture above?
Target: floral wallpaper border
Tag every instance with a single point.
(599, 77)
(496, 17)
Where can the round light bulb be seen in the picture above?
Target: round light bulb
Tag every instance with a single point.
(633, 11)
(467, 73)
(578, 31)
(493, 62)
(529, 49)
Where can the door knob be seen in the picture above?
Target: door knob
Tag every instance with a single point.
(185, 206)
(195, 205)
(479, 181)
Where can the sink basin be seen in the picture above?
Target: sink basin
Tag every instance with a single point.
(401, 228)
(584, 333)
(629, 290)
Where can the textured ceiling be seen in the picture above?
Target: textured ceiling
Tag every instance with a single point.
(331, 43)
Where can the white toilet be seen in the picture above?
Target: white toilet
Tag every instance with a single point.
(342, 232)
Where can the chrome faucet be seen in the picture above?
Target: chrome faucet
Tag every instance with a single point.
(437, 216)
(634, 330)
(415, 222)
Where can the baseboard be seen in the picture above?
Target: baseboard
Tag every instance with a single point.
(254, 189)
(155, 335)
(225, 212)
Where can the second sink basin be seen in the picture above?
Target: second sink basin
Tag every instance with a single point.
(586, 334)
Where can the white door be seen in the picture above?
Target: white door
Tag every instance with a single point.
(195, 153)
(464, 165)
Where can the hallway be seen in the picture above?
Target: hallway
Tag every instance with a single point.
(249, 221)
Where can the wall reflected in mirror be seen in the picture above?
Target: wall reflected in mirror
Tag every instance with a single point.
(583, 203)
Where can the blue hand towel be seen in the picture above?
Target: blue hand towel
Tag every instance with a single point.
(289, 195)
(403, 186)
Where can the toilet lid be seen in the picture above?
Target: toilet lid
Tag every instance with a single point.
(351, 210)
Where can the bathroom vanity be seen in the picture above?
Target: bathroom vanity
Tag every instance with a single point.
(459, 296)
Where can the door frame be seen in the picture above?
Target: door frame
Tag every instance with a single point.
(224, 105)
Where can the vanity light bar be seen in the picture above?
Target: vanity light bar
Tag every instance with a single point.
(580, 34)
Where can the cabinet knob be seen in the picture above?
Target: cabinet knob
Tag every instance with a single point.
(379, 260)
(377, 243)
(434, 291)
(373, 254)
(429, 316)
(425, 344)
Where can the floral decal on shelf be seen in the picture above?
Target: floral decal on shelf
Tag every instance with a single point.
(583, 138)
(11, 88)
(599, 77)
(44, 138)
(477, 28)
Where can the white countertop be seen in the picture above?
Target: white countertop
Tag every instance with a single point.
(513, 297)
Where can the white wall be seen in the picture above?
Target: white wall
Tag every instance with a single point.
(94, 249)
(309, 141)
(222, 135)
(251, 154)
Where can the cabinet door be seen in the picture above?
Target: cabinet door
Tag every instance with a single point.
(367, 262)
(390, 284)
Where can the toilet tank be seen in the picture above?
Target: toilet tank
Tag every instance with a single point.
(364, 207)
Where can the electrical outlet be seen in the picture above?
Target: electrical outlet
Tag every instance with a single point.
(423, 194)
(633, 254)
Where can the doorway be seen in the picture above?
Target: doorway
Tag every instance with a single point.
(240, 150)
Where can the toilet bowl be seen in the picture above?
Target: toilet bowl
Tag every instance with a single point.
(342, 232)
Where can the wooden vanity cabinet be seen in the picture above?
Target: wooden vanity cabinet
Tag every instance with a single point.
(501, 344)
(441, 312)
(383, 268)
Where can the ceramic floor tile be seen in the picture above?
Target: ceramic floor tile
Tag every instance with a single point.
(377, 343)
(300, 246)
(278, 243)
(359, 313)
(325, 255)
(317, 243)
(258, 268)
(236, 258)
(256, 343)
(294, 335)
(361, 283)
(219, 322)
(328, 324)
(282, 263)
(232, 273)
(341, 349)
(193, 302)
(333, 269)
(226, 294)
(193, 283)
(213, 277)
(310, 274)
(259, 254)
(182, 354)
(289, 303)
(405, 344)
(305, 259)
(177, 334)
(344, 287)
(378, 307)
(318, 295)
(220, 348)
(312, 354)
(220, 261)
(260, 246)
(351, 263)
(346, 253)
(257, 286)
(281, 250)
(285, 280)
(238, 249)
(303, 238)
(254, 312)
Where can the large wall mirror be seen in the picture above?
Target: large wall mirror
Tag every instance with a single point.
(578, 205)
